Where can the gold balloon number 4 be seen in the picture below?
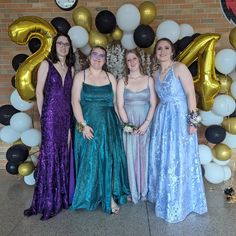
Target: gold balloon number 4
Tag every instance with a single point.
(206, 83)
(21, 31)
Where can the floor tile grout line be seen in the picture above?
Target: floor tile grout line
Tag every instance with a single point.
(149, 228)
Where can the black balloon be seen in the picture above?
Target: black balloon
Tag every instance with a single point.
(34, 45)
(17, 153)
(215, 134)
(144, 36)
(12, 168)
(193, 68)
(61, 24)
(6, 112)
(17, 60)
(105, 22)
(184, 42)
(195, 35)
(13, 81)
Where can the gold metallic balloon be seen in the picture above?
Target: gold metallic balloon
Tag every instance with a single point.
(232, 37)
(21, 31)
(20, 142)
(97, 39)
(117, 34)
(147, 12)
(222, 152)
(225, 83)
(26, 168)
(109, 38)
(206, 82)
(230, 125)
(82, 17)
(150, 49)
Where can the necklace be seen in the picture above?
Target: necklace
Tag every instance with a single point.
(134, 77)
(164, 70)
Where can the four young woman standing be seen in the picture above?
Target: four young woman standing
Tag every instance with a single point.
(168, 172)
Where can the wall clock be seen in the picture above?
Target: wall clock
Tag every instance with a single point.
(66, 5)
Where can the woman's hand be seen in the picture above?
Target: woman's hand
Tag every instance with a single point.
(88, 132)
(142, 129)
(192, 129)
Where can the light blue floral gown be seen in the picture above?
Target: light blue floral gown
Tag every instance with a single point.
(175, 178)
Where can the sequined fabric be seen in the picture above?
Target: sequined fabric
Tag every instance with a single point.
(175, 179)
(52, 179)
(137, 105)
(101, 168)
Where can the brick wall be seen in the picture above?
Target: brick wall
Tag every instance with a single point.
(204, 15)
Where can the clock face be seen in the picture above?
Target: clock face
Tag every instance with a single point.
(66, 4)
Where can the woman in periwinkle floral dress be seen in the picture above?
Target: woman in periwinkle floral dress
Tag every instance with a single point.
(175, 178)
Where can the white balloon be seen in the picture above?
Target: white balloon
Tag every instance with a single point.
(233, 75)
(31, 137)
(128, 17)
(227, 172)
(185, 30)
(233, 89)
(21, 121)
(223, 105)
(127, 41)
(29, 179)
(230, 140)
(210, 118)
(168, 29)
(79, 36)
(9, 135)
(214, 173)
(86, 49)
(219, 162)
(18, 103)
(205, 154)
(225, 61)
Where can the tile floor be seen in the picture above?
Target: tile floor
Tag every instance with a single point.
(133, 220)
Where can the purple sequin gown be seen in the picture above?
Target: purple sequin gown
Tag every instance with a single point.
(51, 193)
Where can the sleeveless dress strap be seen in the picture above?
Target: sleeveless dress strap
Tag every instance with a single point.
(108, 76)
(84, 75)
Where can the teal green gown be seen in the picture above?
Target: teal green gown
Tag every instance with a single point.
(101, 167)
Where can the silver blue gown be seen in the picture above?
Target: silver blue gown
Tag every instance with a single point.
(137, 105)
(175, 178)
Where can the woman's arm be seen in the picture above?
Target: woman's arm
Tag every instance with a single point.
(114, 85)
(120, 101)
(76, 91)
(41, 78)
(186, 80)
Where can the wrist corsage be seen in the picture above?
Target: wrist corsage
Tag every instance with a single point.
(194, 119)
(81, 125)
(129, 128)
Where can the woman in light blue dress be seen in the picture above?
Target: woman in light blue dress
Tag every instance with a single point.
(175, 178)
(136, 100)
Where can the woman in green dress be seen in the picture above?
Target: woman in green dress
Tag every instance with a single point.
(101, 168)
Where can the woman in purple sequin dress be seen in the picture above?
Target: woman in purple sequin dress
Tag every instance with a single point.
(53, 92)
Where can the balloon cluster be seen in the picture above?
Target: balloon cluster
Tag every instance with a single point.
(221, 119)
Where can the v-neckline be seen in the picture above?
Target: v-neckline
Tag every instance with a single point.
(62, 79)
(164, 78)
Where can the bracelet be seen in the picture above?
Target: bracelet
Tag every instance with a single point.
(81, 125)
(194, 119)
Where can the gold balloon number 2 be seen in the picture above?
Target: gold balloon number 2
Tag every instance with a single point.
(21, 31)
(206, 83)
